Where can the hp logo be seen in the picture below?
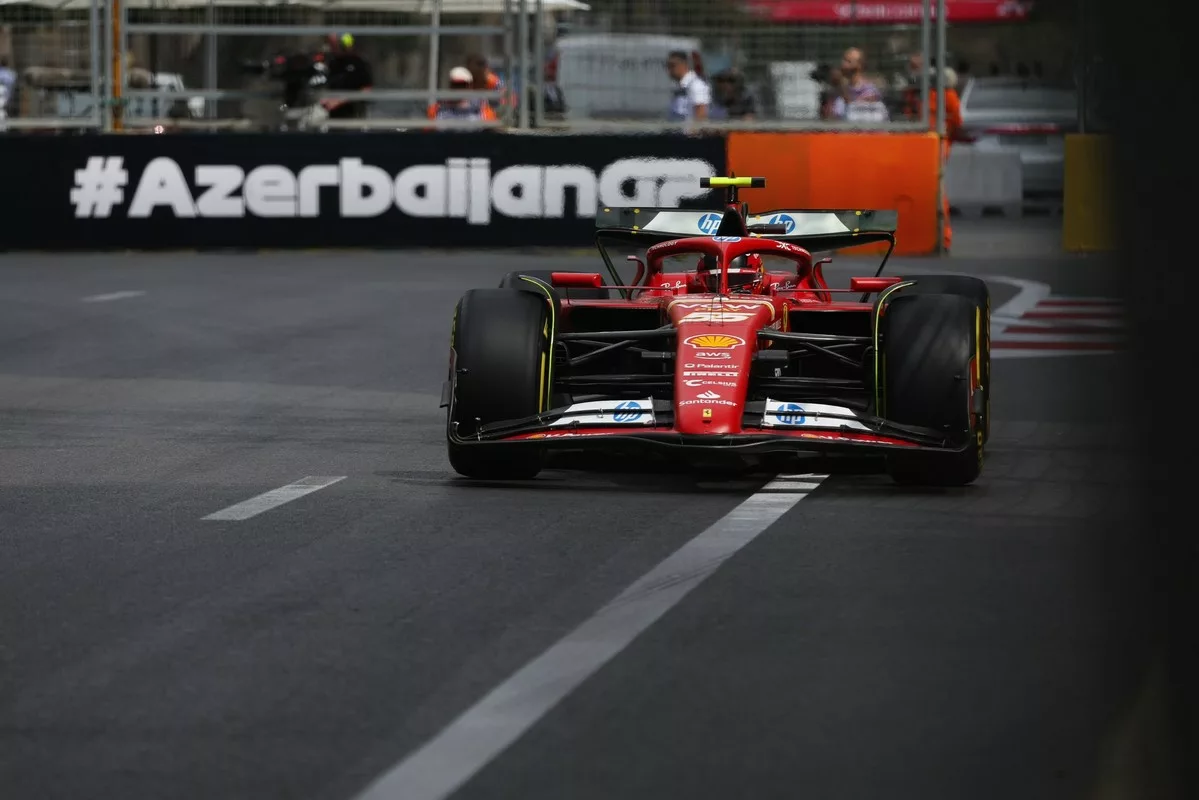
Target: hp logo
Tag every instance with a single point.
(628, 411)
(790, 414)
(783, 219)
(708, 224)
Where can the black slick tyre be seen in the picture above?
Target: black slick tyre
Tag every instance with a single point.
(499, 361)
(929, 345)
(513, 281)
(977, 291)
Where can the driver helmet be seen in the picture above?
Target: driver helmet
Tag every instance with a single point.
(747, 273)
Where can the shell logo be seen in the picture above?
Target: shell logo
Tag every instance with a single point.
(714, 341)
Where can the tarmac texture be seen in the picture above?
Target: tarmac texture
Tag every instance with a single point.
(837, 637)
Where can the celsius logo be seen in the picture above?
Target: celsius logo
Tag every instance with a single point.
(628, 411)
(708, 224)
(461, 188)
(786, 220)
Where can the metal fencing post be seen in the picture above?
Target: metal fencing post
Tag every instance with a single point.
(926, 49)
(538, 66)
(434, 52)
(106, 100)
(522, 65)
(211, 55)
(117, 86)
(509, 59)
(95, 78)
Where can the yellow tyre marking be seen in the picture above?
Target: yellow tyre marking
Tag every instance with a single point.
(548, 331)
(878, 386)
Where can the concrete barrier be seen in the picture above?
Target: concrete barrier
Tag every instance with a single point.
(977, 181)
(847, 170)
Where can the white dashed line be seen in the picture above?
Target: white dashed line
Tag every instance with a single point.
(106, 298)
(452, 757)
(274, 498)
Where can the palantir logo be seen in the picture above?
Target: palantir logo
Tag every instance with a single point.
(708, 224)
(790, 414)
(786, 220)
(628, 411)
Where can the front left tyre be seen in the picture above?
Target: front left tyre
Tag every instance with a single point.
(931, 351)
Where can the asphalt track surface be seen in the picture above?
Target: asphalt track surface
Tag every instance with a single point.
(869, 642)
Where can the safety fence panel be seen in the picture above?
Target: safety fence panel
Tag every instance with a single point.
(214, 64)
(167, 65)
(51, 65)
(767, 64)
(460, 189)
(272, 67)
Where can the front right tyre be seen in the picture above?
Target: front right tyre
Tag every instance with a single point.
(500, 362)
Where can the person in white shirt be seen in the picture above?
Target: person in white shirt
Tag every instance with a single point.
(8, 86)
(692, 96)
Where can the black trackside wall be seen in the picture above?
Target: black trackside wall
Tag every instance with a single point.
(426, 189)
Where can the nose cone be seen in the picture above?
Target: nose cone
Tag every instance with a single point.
(716, 343)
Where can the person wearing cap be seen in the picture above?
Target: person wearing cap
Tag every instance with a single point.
(348, 72)
(461, 80)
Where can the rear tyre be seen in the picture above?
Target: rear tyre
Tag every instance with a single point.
(978, 292)
(499, 362)
(512, 281)
(928, 347)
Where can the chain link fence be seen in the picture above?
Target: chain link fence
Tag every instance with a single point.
(554, 63)
(767, 64)
(50, 66)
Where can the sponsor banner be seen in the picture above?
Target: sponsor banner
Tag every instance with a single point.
(416, 189)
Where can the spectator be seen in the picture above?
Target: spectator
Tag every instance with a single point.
(827, 77)
(8, 86)
(348, 72)
(553, 103)
(855, 99)
(733, 100)
(461, 79)
(692, 97)
(953, 122)
(484, 80)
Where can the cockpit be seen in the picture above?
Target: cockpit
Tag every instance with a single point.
(694, 266)
(747, 274)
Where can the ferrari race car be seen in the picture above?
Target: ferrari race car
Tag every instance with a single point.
(727, 345)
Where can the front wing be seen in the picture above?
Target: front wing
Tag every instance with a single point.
(768, 427)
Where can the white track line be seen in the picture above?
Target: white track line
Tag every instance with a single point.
(106, 298)
(452, 757)
(274, 498)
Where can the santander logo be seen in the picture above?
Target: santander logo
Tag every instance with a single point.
(709, 395)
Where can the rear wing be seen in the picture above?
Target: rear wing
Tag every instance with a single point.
(814, 229)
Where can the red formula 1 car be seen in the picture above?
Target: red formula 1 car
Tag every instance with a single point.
(727, 344)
